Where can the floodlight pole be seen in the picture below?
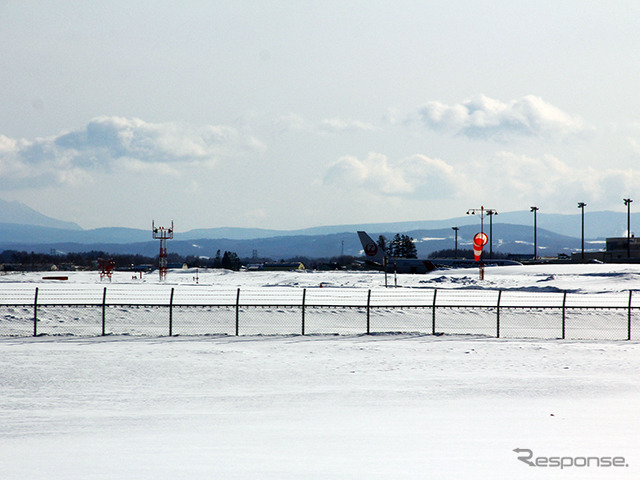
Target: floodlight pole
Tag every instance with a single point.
(491, 212)
(535, 232)
(455, 229)
(481, 211)
(627, 202)
(582, 205)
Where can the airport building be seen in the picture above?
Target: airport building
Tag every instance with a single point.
(276, 266)
(618, 250)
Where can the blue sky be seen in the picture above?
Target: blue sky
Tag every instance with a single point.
(291, 114)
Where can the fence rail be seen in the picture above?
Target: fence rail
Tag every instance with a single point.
(189, 310)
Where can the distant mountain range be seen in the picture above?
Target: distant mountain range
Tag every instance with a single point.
(22, 228)
(20, 214)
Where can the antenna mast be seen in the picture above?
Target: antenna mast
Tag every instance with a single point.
(163, 234)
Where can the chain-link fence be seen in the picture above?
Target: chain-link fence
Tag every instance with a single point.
(199, 310)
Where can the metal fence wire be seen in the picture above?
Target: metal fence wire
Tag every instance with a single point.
(199, 310)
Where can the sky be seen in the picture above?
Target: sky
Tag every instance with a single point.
(294, 114)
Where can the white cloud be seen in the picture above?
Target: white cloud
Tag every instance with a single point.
(520, 178)
(342, 125)
(415, 176)
(122, 144)
(291, 122)
(295, 123)
(484, 117)
(507, 179)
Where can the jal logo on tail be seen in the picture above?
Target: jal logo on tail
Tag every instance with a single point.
(371, 249)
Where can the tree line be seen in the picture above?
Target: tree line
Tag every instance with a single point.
(14, 259)
(400, 246)
(22, 260)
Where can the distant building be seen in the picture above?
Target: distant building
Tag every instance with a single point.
(617, 248)
(616, 251)
(141, 268)
(283, 266)
(183, 266)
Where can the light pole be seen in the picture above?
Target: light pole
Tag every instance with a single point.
(582, 205)
(482, 211)
(627, 202)
(491, 212)
(455, 229)
(535, 231)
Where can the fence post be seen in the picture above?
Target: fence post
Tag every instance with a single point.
(498, 314)
(629, 316)
(238, 312)
(369, 312)
(564, 314)
(304, 295)
(35, 314)
(171, 313)
(433, 312)
(104, 309)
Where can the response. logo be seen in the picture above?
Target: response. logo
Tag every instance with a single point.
(525, 455)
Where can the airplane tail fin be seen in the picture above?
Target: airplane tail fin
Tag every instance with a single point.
(371, 249)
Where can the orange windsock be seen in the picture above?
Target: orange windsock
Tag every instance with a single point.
(479, 241)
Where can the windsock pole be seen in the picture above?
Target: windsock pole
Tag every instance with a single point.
(479, 241)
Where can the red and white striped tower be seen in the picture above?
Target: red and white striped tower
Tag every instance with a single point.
(163, 234)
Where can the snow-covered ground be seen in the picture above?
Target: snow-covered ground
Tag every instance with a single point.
(354, 406)
(590, 278)
(544, 290)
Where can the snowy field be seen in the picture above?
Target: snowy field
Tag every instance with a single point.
(270, 303)
(591, 278)
(387, 406)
